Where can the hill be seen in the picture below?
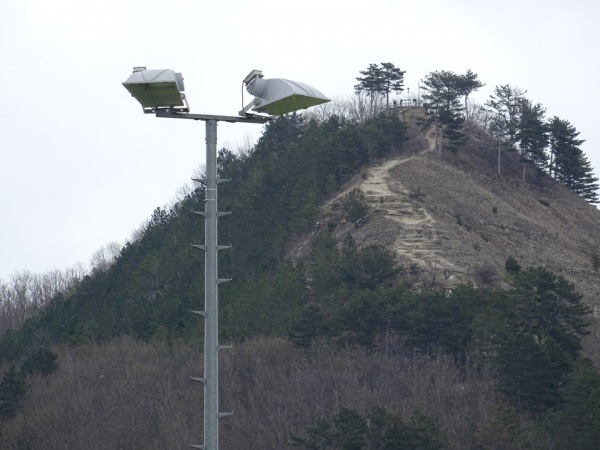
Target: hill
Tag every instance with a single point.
(370, 270)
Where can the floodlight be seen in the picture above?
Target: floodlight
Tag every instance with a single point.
(157, 89)
(278, 96)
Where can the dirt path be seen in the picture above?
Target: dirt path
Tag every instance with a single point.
(418, 239)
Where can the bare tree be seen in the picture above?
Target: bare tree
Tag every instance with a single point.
(25, 293)
(105, 257)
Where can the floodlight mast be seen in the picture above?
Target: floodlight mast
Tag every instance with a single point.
(150, 82)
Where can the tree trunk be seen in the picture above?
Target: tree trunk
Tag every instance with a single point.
(499, 152)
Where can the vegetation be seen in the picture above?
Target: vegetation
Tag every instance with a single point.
(379, 430)
(444, 88)
(568, 164)
(336, 348)
(552, 146)
(381, 80)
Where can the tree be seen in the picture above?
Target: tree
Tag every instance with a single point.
(355, 205)
(392, 80)
(105, 257)
(370, 82)
(443, 90)
(540, 341)
(532, 135)
(12, 390)
(444, 322)
(371, 267)
(505, 105)
(42, 362)
(467, 84)
(505, 108)
(502, 430)
(511, 265)
(307, 325)
(568, 164)
(531, 373)
(344, 431)
(380, 80)
(379, 430)
(577, 424)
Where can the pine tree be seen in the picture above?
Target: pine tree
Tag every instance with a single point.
(443, 91)
(392, 80)
(371, 82)
(577, 424)
(12, 390)
(532, 135)
(467, 84)
(380, 80)
(541, 340)
(505, 106)
(569, 165)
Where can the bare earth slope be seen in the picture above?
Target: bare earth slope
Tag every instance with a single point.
(452, 222)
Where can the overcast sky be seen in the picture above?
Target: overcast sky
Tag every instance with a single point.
(81, 166)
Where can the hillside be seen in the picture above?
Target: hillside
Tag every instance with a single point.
(453, 220)
(320, 326)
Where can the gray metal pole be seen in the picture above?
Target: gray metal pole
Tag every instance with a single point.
(211, 308)
(211, 276)
(211, 248)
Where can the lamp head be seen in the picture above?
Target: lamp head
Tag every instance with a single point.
(157, 89)
(278, 96)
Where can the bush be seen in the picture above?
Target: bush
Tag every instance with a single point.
(355, 205)
(511, 265)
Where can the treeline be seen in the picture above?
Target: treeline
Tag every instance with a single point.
(131, 394)
(25, 294)
(551, 145)
(368, 364)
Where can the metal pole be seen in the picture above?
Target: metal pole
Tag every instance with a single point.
(211, 295)
(211, 277)
(211, 309)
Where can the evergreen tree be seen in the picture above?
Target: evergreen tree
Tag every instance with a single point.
(371, 82)
(569, 165)
(505, 108)
(467, 84)
(531, 373)
(577, 424)
(443, 91)
(505, 105)
(355, 205)
(12, 390)
(42, 362)
(540, 341)
(393, 80)
(308, 325)
(533, 136)
(380, 80)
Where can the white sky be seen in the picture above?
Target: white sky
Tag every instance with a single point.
(81, 166)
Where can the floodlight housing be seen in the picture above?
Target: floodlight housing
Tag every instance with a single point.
(157, 89)
(278, 96)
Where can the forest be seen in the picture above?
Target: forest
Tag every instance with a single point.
(335, 350)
